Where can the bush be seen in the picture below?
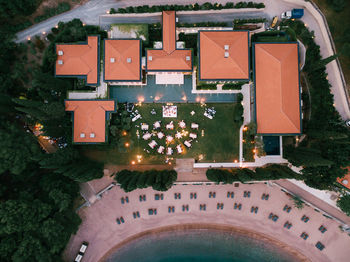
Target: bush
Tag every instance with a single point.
(205, 86)
(158, 180)
(249, 21)
(49, 12)
(337, 5)
(344, 204)
(233, 86)
(205, 6)
(272, 172)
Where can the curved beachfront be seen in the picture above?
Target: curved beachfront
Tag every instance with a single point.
(105, 235)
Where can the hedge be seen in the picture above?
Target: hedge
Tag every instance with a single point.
(204, 86)
(203, 24)
(250, 21)
(195, 7)
(272, 172)
(233, 86)
(158, 180)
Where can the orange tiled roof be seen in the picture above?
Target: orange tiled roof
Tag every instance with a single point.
(169, 58)
(122, 59)
(277, 88)
(344, 179)
(223, 55)
(89, 119)
(79, 59)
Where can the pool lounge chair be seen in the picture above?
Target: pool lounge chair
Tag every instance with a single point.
(320, 246)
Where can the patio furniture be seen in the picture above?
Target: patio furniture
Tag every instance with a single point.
(152, 144)
(160, 135)
(138, 116)
(182, 124)
(169, 151)
(170, 125)
(156, 125)
(194, 126)
(144, 126)
(146, 136)
(319, 245)
(178, 135)
(179, 149)
(187, 143)
(193, 135)
(169, 139)
(161, 149)
(207, 115)
(192, 113)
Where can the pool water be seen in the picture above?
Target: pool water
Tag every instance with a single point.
(153, 92)
(201, 246)
(271, 145)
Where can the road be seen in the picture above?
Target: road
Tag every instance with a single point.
(90, 14)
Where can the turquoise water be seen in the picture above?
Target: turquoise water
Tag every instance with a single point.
(199, 246)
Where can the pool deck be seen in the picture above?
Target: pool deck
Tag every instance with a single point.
(153, 92)
(100, 229)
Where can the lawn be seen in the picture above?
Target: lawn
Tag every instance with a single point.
(217, 138)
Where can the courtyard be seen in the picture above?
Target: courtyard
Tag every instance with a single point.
(212, 140)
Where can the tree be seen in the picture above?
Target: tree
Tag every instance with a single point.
(303, 156)
(16, 148)
(337, 5)
(346, 50)
(298, 203)
(344, 204)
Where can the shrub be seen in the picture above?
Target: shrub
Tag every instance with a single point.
(205, 86)
(233, 86)
(337, 5)
(49, 12)
(344, 204)
(158, 180)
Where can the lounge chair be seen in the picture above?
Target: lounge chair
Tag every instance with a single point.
(122, 219)
(127, 199)
(256, 210)
(122, 200)
(322, 229)
(232, 195)
(235, 206)
(118, 221)
(270, 216)
(320, 246)
(239, 206)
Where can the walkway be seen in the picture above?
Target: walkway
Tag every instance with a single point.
(165, 93)
(100, 229)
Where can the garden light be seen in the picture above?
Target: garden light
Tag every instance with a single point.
(127, 144)
(133, 162)
(124, 133)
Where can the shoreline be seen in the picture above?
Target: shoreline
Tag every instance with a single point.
(210, 227)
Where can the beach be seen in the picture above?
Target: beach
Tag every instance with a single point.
(105, 235)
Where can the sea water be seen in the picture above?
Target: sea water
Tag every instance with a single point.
(199, 246)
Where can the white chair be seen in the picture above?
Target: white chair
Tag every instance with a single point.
(194, 126)
(193, 136)
(60, 52)
(169, 151)
(187, 143)
(92, 135)
(179, 149)
(112, 60)
(60, 62)
(82, 135)
(160, 149)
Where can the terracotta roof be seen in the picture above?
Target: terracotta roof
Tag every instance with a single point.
(79, 60)
(277, 88)
(89, 119)
(224, 55)
(346, 177)
(122, 59)
(169, 58)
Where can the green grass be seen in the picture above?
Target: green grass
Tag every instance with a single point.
(140, 30)
(220, 142)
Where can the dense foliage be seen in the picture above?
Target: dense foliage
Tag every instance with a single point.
(37, 190)
(326, 149)
(272, 172)
(344, 204)
(158, 180)
(195, 7)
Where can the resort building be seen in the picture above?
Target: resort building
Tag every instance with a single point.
(277, 90)
(89, 119)
(223, 55)
(169, 58)
(80, 60)
(122, 60)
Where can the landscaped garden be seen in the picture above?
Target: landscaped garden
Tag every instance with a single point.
(214, 140)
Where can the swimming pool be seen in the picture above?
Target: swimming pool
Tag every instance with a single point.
(271, 145)
(153, 92)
